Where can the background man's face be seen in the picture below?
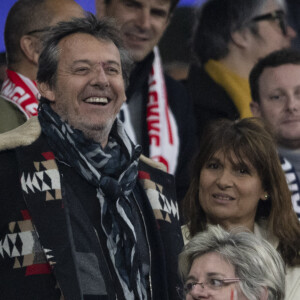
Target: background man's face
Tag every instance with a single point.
(89, 88)
(270, 36)
(64, 10)
(143, 22)
(60, 10)
(279, 91)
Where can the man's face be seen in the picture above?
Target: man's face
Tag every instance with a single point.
(142, 22)
(64, 10)
(279, 91)
(60, 10)
(270, 36)
(89, 88)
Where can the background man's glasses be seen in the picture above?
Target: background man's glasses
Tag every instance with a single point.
(275, 15)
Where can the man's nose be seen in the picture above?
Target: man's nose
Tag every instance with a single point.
(292, 103)
(144, 19)
(290, 32)
(99, 76)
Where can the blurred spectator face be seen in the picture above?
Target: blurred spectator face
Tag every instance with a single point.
(143, 22)
(59, 10)
(65, 10)
(2, 74)
(273, 31)
(279, 91)
(3, 67)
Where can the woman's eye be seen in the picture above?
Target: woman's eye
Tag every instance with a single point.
(243, 171)
(189, 286)
(215, 282)
(213, 165)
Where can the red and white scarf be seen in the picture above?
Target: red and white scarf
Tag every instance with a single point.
(161, 124)
(21, 91)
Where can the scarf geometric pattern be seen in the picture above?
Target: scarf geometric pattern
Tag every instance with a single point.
(113, 172)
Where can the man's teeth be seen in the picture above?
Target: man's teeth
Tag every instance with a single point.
(101, 100)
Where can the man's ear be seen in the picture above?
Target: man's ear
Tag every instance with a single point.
(100, 8)
(240, 38)
(255, 108)
(46, 91)
(30, 46)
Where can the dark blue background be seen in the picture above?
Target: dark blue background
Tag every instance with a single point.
(88, 5)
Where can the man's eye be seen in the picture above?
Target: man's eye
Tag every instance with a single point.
(213, 282)
(82, 70)
(159, 13)
(297, 93)
(131, 3)
(276, 97)
(112, 71)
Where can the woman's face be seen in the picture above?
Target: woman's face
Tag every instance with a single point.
(229, 193)
(210, 269)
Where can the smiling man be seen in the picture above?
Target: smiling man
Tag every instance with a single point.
(275, 88)
(83, 215)
(157, 108)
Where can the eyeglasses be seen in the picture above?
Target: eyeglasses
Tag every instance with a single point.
(45, 29)
(211, 283)
(275, 15)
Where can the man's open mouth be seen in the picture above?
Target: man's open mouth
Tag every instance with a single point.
(97, 100)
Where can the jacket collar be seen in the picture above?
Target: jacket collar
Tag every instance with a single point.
(23, 135)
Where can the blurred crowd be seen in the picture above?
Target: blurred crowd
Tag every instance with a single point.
(150, 151)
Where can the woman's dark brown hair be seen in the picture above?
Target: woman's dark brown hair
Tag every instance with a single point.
(250, 139)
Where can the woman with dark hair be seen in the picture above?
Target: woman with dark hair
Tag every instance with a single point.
(238, 181)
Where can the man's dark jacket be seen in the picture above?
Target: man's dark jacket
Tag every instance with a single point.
(36, 253)
(210, 100)
(182, 109)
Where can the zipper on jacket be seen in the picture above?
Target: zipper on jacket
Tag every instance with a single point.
(149, 249)
(111, 278)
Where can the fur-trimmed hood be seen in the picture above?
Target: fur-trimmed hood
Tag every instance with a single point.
(30, 131)
(23, 135)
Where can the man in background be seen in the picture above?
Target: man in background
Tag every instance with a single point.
(275, 89)
(230, 37)
(158, 113)
(3, 66)
(25, 25)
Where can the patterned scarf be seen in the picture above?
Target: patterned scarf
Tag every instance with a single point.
(22, 92)
(113, 172)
